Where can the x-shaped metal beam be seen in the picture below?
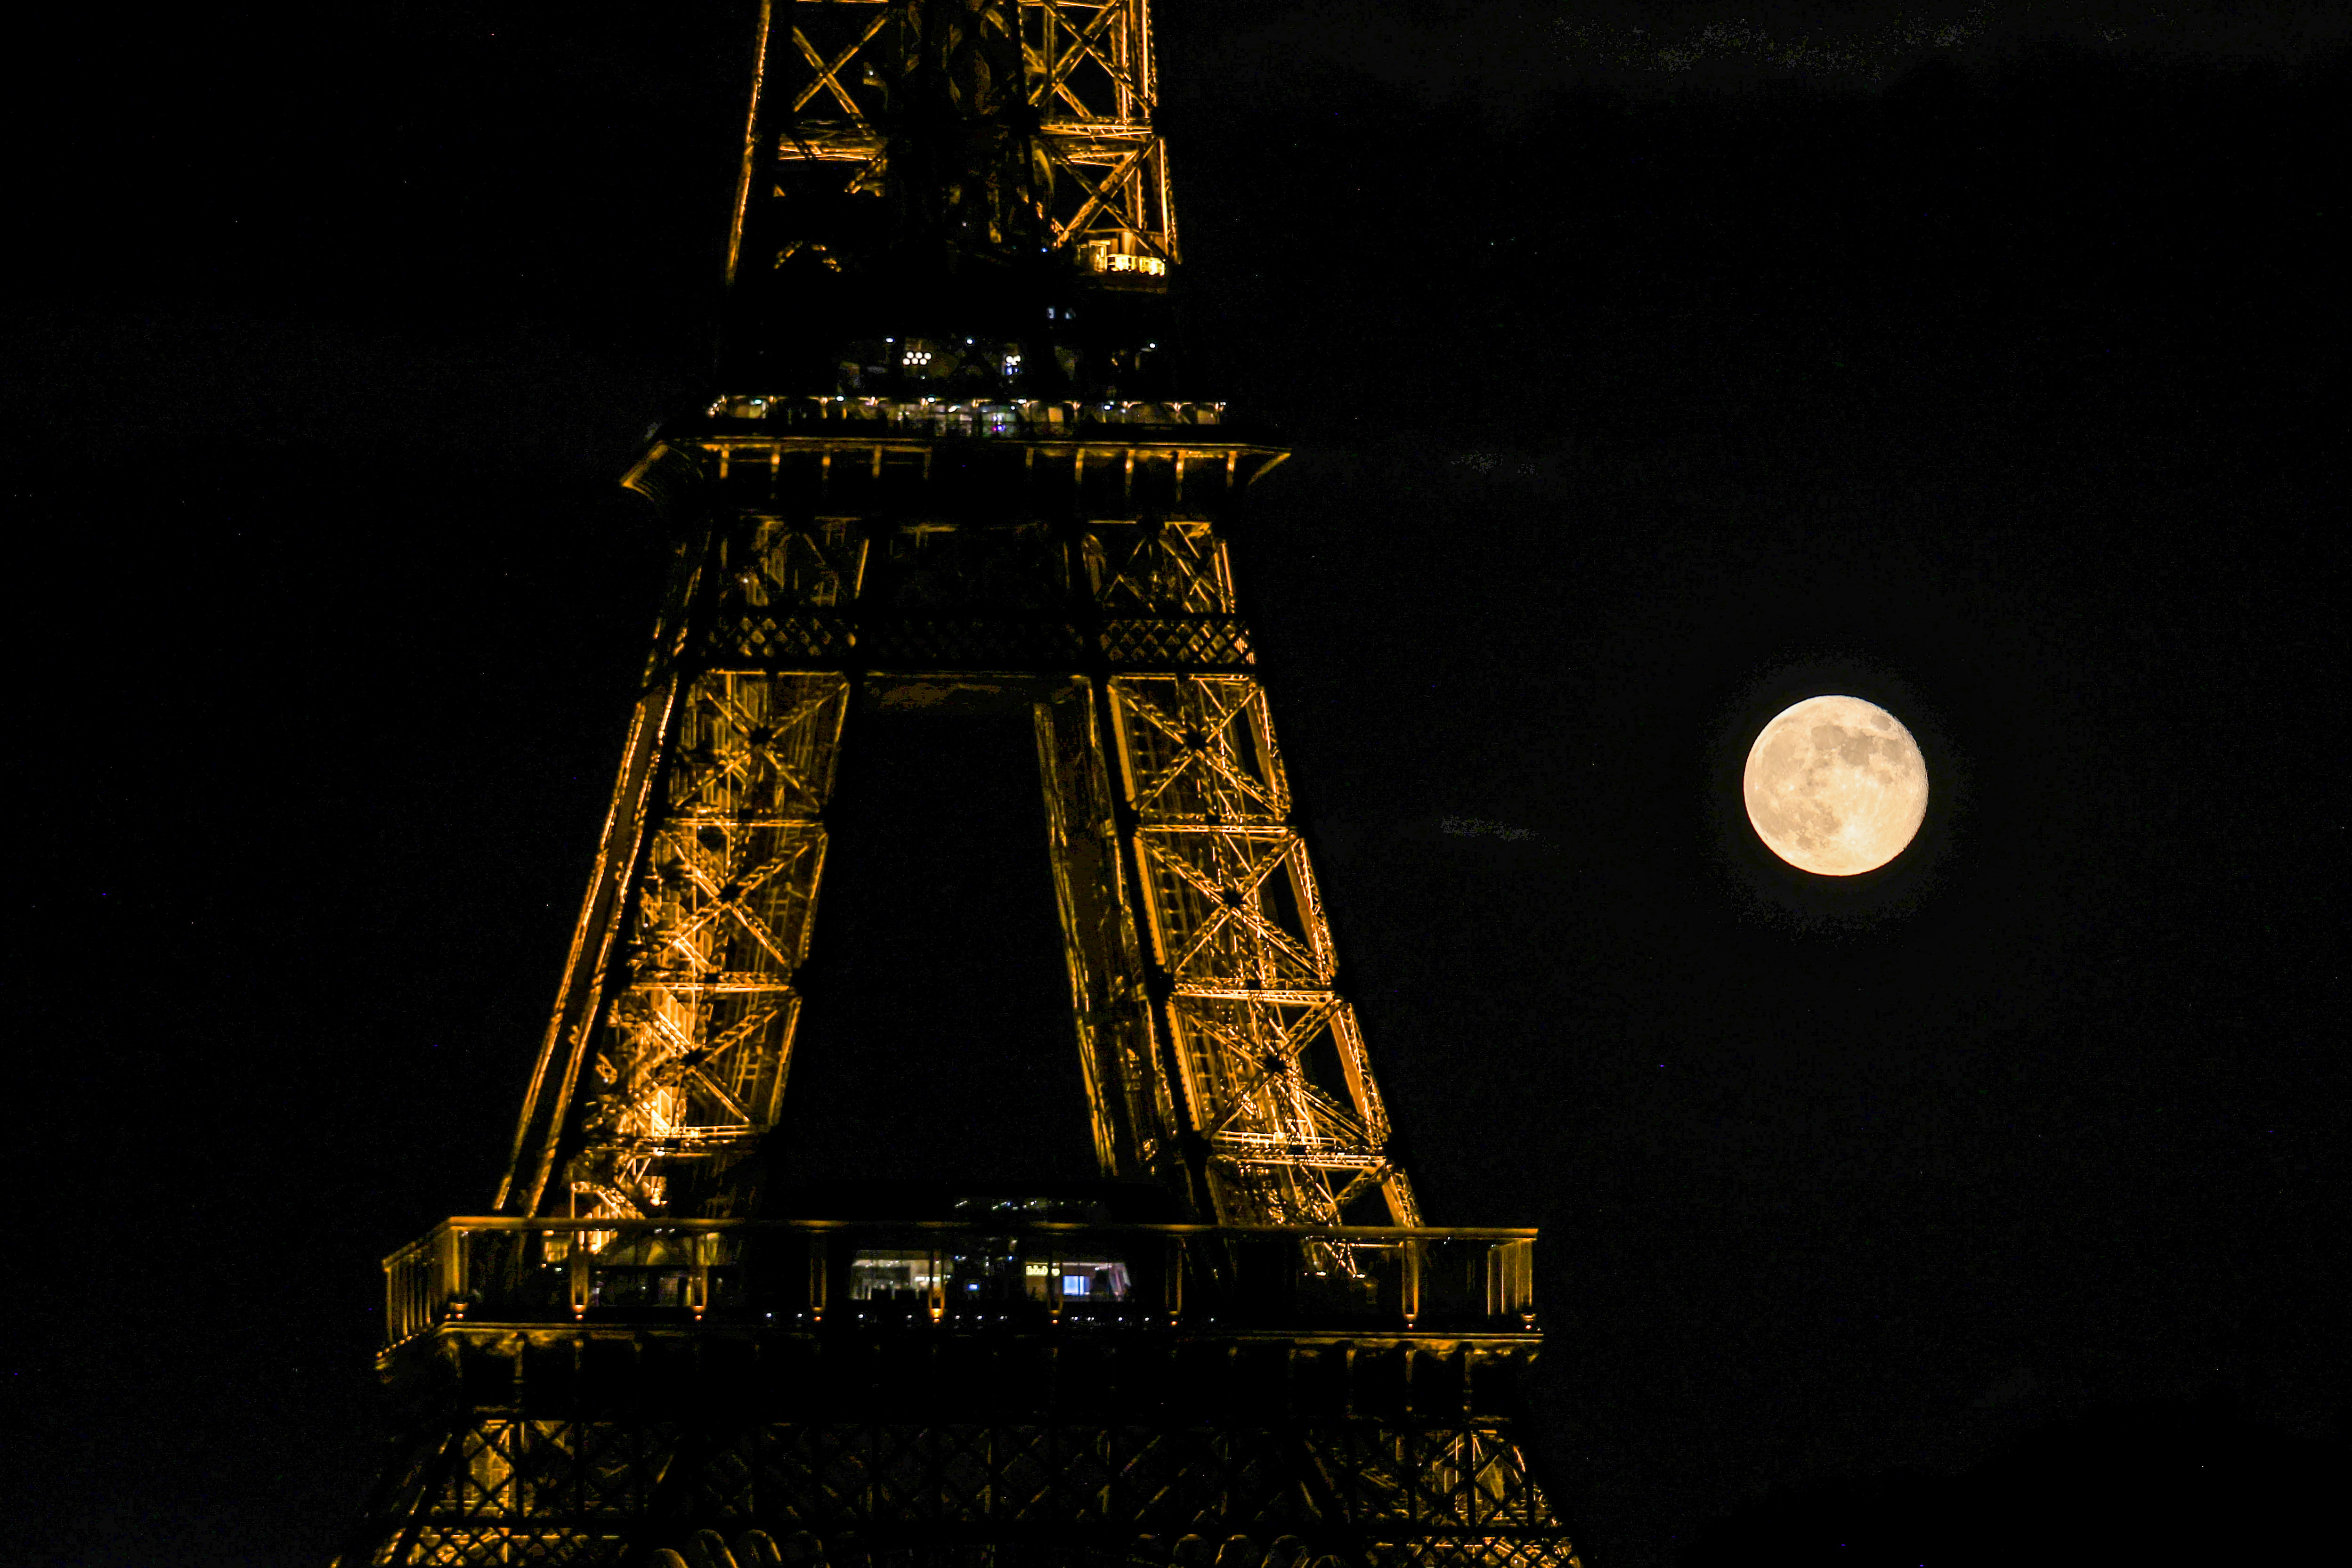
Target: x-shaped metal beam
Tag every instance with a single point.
(1242, 904)
(1289, 1045)
(722, 903)
(1136, 574)
(828, 76)
(1212, 727)
(734, 764)
(1082, 48)
(684, 1053)
(1100, 196)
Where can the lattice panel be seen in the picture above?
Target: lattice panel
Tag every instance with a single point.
(1478, 1552)
(1200, 750)
(1091, 172)
(546, 1465)
(482, 1485)
(696, 1044)
(786, 587)
(495, 1545)
(1273, 1065)
(1284, 1082)
(1212, 642)
(1448, 1479)
(812, 566)
(1457, 1495)
(1174, 569)
(1233, 910)
(788, 639)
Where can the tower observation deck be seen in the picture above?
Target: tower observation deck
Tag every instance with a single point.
(952, 461)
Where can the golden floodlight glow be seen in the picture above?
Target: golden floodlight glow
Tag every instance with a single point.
(1835, 787)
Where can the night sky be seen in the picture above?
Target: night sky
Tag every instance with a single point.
(1649, 366)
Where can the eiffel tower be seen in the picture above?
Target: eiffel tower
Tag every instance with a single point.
(954, 470)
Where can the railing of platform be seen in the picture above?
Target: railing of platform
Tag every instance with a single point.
(1027, 418)
(961, 1274)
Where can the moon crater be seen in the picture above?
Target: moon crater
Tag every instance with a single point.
(1835, 785)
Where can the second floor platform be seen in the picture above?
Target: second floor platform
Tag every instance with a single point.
(991, 1273)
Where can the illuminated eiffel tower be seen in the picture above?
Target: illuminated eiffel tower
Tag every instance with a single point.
(952, 470)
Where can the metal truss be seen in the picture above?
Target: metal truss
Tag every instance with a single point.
(1079, 549)
(1047, 108)
(565, 1393)
(1203, 971)
(1309, 1495)
(1273, 1065)
(630, 1364)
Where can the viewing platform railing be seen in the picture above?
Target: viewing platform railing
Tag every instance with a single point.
(1021, 418)
(971, 1274)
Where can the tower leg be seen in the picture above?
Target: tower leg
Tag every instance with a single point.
(1128, 1090)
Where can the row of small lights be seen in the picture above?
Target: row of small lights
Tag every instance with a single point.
(915, 356)
(969, 342)
(761, 405)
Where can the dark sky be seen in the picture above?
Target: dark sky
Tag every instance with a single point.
(1649, 366)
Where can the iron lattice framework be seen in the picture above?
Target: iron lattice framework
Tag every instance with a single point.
(969, 481)
(1012, 123)
(843, 556)
(540, 1491)
(724, 1394)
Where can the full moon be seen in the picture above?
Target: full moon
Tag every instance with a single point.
(1835, 787)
